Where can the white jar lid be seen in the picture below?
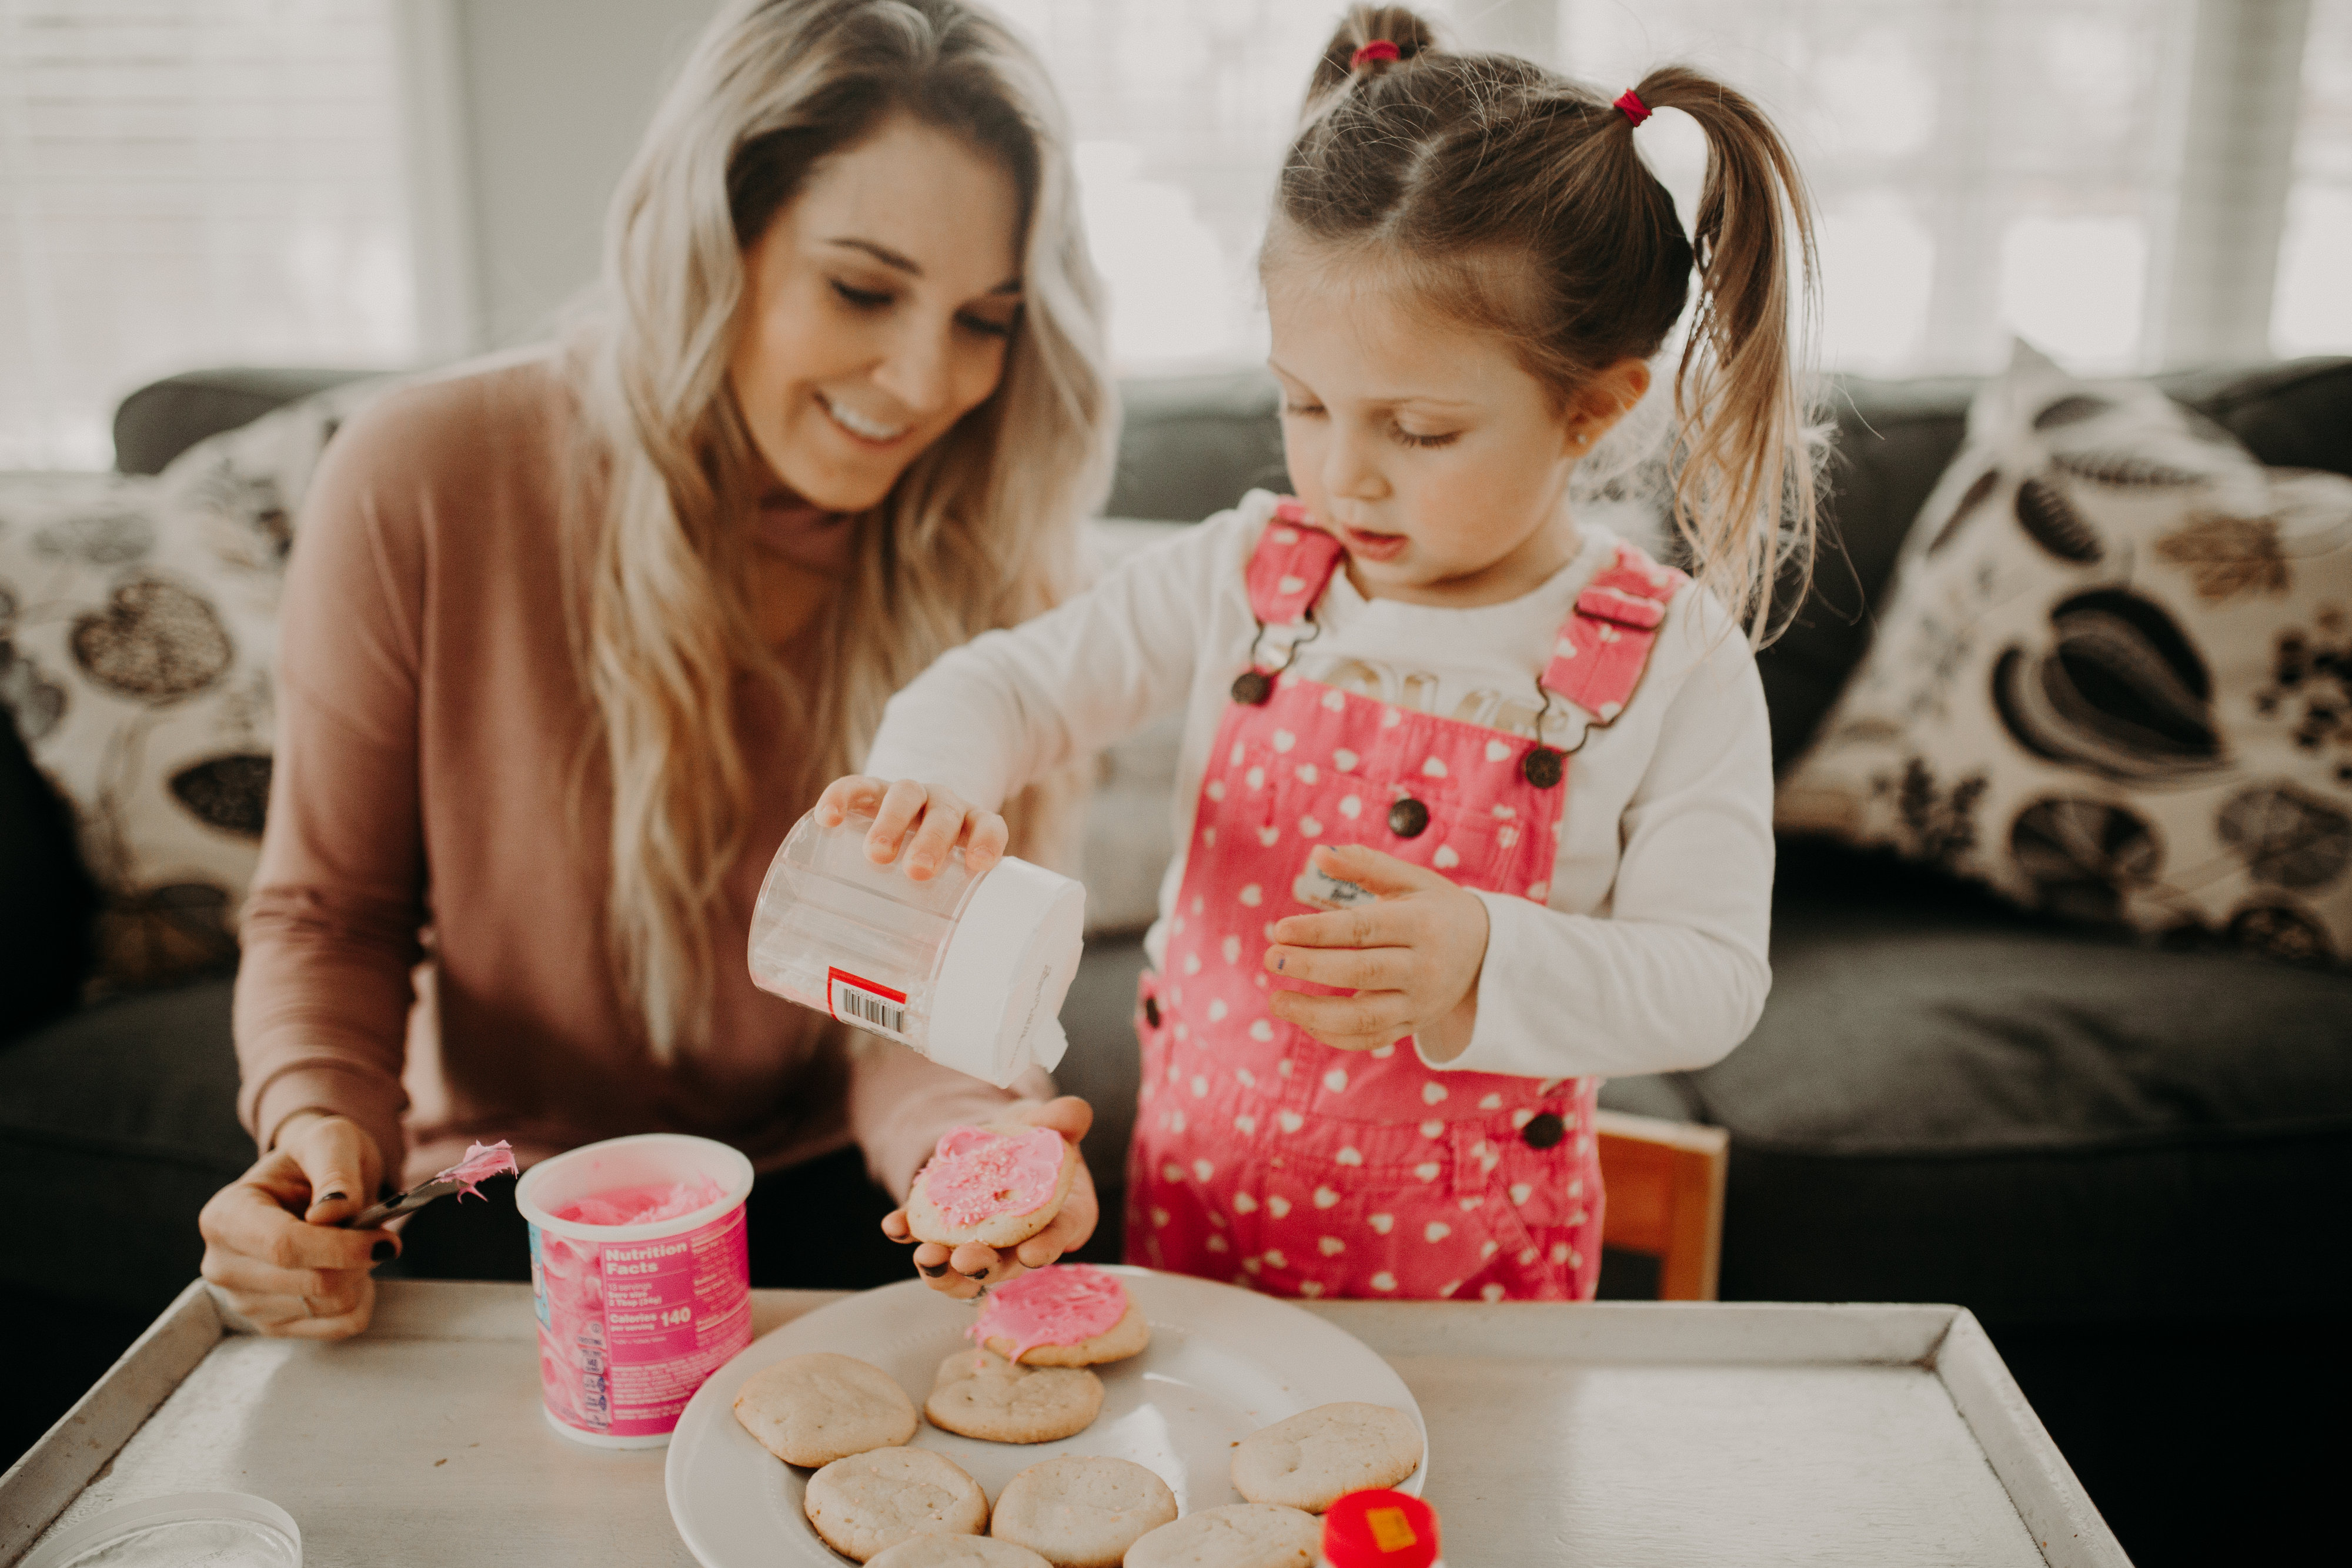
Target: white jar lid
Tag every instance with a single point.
(226, 1527)
(996, 1009)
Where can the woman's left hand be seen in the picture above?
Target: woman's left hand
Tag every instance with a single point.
(964, 1271)
(1410, 958)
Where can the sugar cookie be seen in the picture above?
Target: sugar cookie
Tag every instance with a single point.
(872, 1500)
(1082, 1513)
(981, 1394)
(957, 1552)
(1070, 1314)
(813, 1410)
(1238, 1535)
(1312, 1459)
(998, 1184)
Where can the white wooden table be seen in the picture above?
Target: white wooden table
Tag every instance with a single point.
(1643, 1433)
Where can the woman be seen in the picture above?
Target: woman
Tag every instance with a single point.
(572, 639)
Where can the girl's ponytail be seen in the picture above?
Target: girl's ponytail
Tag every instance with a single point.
(1745, 486)
(1366, 26)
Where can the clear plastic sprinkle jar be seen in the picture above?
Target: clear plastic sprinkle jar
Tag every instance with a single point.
(970, 970)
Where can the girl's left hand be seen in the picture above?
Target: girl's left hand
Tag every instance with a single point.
(1412, 959)
(964, 1271)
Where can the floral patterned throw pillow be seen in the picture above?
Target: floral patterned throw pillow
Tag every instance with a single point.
(138, 623)
(2113, 678)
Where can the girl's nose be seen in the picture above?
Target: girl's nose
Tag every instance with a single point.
(1350, 469)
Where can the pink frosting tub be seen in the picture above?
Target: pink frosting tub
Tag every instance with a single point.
(633, 1316)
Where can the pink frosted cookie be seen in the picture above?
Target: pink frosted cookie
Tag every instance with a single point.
(998, 1184)
(1067, 1315)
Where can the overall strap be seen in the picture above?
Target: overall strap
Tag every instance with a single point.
(1293, 562)
(1605, 645)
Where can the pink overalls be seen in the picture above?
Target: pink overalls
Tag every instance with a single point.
(1266, 1157)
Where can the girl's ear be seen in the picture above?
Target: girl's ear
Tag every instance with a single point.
(1604, 400)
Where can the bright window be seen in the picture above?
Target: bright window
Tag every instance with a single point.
(2312, 312)
(1983, 168)
(187, 183)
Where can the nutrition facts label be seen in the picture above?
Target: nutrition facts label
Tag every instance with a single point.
(675, 1309)
(629, 1330)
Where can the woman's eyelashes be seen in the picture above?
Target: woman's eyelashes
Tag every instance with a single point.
(987, 328)
(858, 298)
(872, 301)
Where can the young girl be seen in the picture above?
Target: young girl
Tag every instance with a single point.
(1477, 799)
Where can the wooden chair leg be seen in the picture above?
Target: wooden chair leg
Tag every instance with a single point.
(1665, 1182)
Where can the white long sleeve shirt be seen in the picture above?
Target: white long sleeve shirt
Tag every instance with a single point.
(1649, 955)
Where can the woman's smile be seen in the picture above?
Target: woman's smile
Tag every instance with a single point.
(864, 431)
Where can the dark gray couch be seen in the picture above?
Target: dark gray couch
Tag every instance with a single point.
(2126, 1160)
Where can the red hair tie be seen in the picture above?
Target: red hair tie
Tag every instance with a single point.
(1378, 49)
(1636, 109)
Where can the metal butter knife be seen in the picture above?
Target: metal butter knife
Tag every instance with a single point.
(402, 1203)
(482, 1162)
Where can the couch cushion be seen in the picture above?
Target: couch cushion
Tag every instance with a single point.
(1190, 446)
(2110, 675)
(140, 676)
(45, 914)
(163, 419)
(1946, 1101)
(1892, 442)
(116, 1124)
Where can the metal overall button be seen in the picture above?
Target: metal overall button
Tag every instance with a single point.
(1151, 1011)
(1251, 687)
(1543, 765)
(1408, 819)
(1543, 1131)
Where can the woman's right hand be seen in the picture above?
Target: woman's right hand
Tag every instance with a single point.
(271, 1243)
(930, 819)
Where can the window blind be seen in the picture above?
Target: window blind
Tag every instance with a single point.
(2312, 312)
(1982, 167)
(186, 182)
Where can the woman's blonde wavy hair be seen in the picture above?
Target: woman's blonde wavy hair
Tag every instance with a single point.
(983, 531)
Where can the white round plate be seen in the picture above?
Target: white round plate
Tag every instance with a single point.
(1223, 1362)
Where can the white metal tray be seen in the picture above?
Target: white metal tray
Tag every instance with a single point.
(1628, 1433)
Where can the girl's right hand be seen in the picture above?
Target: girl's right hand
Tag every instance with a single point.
(271, 1244)
(928, 820)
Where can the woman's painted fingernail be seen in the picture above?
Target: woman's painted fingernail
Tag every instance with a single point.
(385, 1251)
(332, 1197)
(933, 1269)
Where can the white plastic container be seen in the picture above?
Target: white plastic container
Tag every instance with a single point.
(230, 1528)
(971, 971)
(632, 1317)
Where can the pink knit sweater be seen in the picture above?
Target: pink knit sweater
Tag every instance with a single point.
(423, 950)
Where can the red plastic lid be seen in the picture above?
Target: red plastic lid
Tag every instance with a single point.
(1379, 1530)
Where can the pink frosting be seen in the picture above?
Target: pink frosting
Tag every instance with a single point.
(1066, 1304)
(976, 1175)
(643, 1204)
(482, 1162)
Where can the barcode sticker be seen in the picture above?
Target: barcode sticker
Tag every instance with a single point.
(859, 1001)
